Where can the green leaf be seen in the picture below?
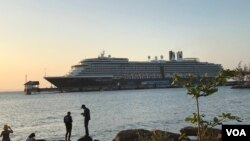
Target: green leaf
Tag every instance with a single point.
(211, 91)
(216, 120)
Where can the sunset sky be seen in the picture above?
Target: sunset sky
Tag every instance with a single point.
(39, 37)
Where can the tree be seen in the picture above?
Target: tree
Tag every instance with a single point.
(202, 87)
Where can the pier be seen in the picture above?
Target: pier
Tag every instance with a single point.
(33, 87)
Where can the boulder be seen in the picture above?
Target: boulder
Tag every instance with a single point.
(166, 135)
(142, 134)
(85, 138)
(212, 133)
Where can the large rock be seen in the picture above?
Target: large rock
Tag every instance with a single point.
(131, 135)
(85, 138)
(142, 135)
(166, 135)
(212, 133)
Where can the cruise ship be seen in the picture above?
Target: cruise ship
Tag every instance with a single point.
(110, 73)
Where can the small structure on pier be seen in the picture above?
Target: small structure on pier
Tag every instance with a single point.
(31, 86)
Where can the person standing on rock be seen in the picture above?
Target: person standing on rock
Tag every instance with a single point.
(86, 115)
(68, 123)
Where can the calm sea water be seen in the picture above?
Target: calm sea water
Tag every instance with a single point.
(113, 111)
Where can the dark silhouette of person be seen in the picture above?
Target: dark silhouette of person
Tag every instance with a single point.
(86, 115)
(31, 137)
(6, 133)
(68, 123)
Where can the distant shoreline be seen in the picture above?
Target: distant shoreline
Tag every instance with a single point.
(10, 92)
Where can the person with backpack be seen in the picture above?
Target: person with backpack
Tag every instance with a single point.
(68, 123)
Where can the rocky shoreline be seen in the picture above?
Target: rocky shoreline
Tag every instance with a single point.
(156, 135)
(159, 135)
(241, 86)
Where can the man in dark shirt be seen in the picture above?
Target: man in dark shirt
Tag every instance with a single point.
(68, 123)
(86, 115)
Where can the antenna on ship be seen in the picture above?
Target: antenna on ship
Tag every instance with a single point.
(26, 77)
(25, 86)
(44, 72)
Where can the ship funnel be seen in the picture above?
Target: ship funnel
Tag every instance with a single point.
(171, 56)
(179, 56)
